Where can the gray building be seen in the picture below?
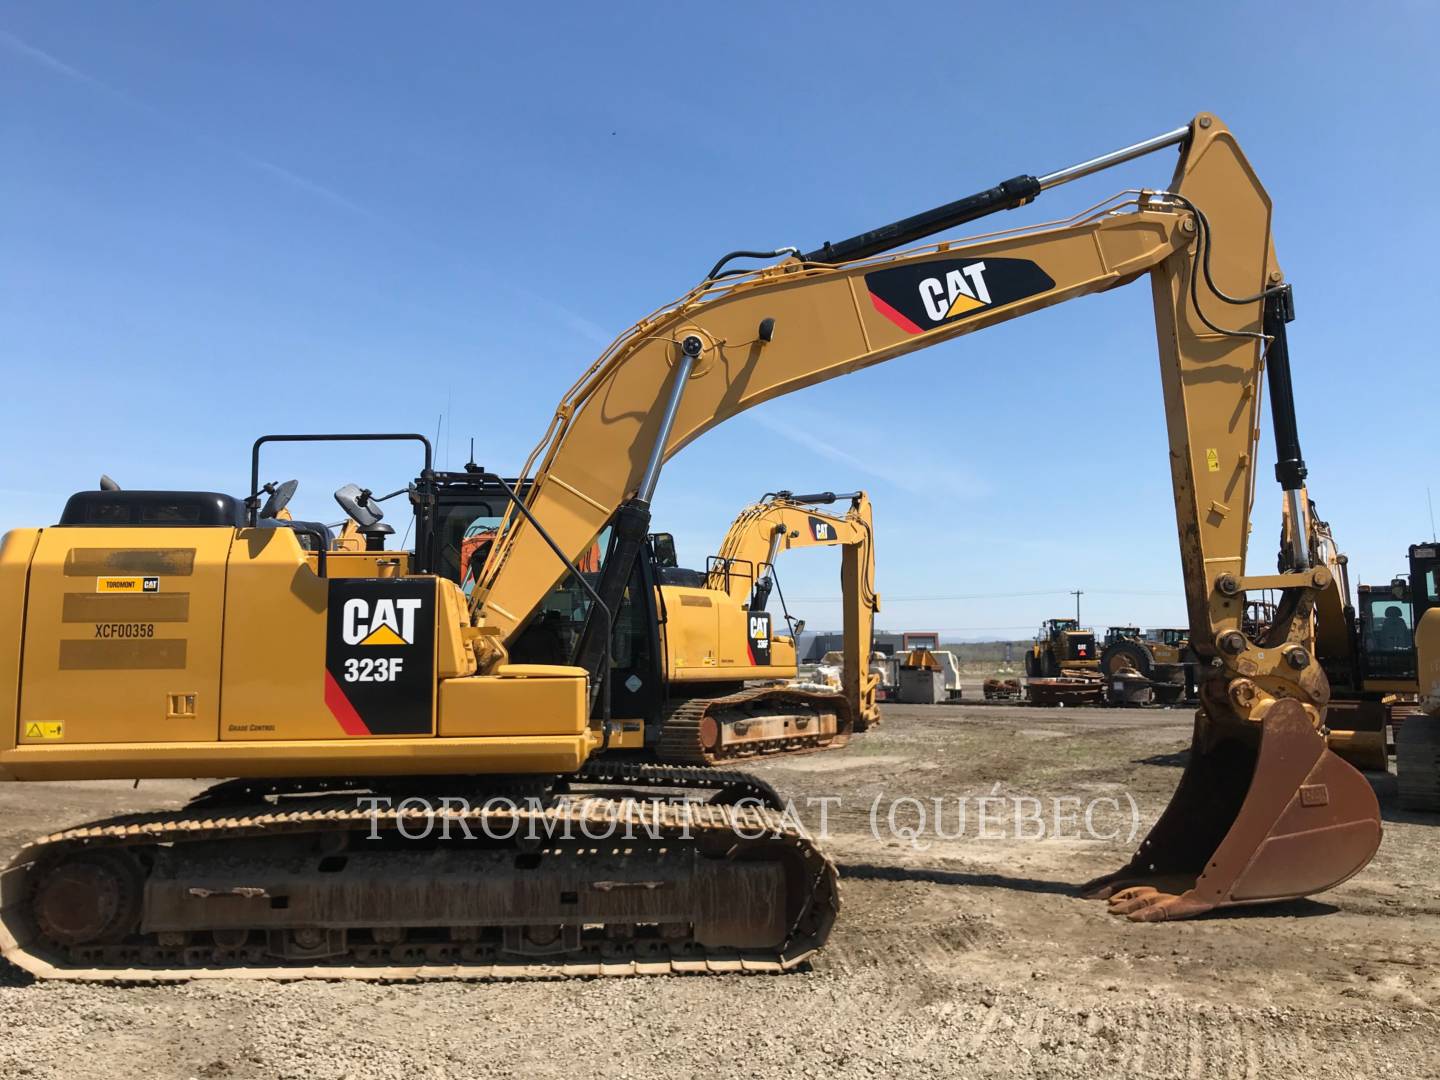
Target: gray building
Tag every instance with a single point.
(814, 644)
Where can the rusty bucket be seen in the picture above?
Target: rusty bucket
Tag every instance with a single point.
(1252, 821)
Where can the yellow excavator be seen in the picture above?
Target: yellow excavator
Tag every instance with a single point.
(1380, 649)
(782, 521)
(694, 639)
(187, 634)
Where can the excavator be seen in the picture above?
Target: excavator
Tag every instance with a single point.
(697, 637)
(1380, 649)
(781, 521)
(178, 634)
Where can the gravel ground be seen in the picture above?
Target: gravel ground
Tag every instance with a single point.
(967, 956)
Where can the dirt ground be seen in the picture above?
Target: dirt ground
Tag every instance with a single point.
(969, 957)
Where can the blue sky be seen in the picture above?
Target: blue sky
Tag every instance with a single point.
(221, 220)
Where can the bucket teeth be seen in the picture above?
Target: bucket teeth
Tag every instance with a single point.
(1250, 822)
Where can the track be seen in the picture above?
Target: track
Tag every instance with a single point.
(699, 731)
(730, 786)
(245, 891)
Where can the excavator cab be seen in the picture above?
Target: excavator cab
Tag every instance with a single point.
(1387, 630)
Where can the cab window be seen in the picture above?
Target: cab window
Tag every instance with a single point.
(1389, 627)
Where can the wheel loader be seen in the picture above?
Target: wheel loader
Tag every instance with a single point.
(190, 634)
(1061, 645)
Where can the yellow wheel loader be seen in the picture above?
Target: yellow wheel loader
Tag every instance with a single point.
(1061, 645)
(188, 634)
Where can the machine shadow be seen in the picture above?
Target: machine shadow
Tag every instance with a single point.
(872, 872)
(10, 975)
(1177, 760)
(1293, 909)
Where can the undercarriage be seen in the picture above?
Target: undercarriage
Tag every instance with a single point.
(364, 885)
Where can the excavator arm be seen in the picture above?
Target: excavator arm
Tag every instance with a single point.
(766, 333)
(1221, 305)
(782, 521)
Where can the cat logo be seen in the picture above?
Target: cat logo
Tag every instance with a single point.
(961, 291)
(822, 530)
(380, 655)
(757, 642)
(384, 621)
(928, 294)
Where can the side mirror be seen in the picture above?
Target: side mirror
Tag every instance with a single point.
(663, 545)
(280, 496)
(359, 506)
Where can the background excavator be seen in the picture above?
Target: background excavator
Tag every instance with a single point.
(691, 640)
(174, 634)
(1380, 648)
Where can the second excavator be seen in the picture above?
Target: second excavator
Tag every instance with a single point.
(179, 634)
(693, 639)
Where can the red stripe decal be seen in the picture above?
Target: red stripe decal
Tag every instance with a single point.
(894, 316)
(339, 705)
(750, 651)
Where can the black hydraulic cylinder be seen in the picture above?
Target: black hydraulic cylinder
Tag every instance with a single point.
(1014, 192)
(1289, 463)
(628, 530)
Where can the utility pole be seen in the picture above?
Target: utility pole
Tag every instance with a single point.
(1077, 593)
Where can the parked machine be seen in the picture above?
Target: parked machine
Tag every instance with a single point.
(170, 633)
(1061, 645)
(928, 674)
(1381, 656)
(1159, 664)
(710, 715)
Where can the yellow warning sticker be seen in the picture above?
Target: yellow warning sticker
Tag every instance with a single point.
(1212, 459)
(127, 584)
(44, 731)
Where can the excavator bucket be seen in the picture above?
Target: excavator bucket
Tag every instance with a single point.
(1252, 821)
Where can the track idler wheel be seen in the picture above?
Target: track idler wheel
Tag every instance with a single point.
(89, 897)
(1249, 824)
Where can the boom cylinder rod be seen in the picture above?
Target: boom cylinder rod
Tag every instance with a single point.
(1116, 157)
(1007, 195)
(689, 353)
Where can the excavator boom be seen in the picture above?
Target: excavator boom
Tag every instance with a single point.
(1221, 304)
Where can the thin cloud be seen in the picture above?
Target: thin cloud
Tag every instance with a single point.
(578, 324)
(935, 479)
(589, 330)
(53, 63)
